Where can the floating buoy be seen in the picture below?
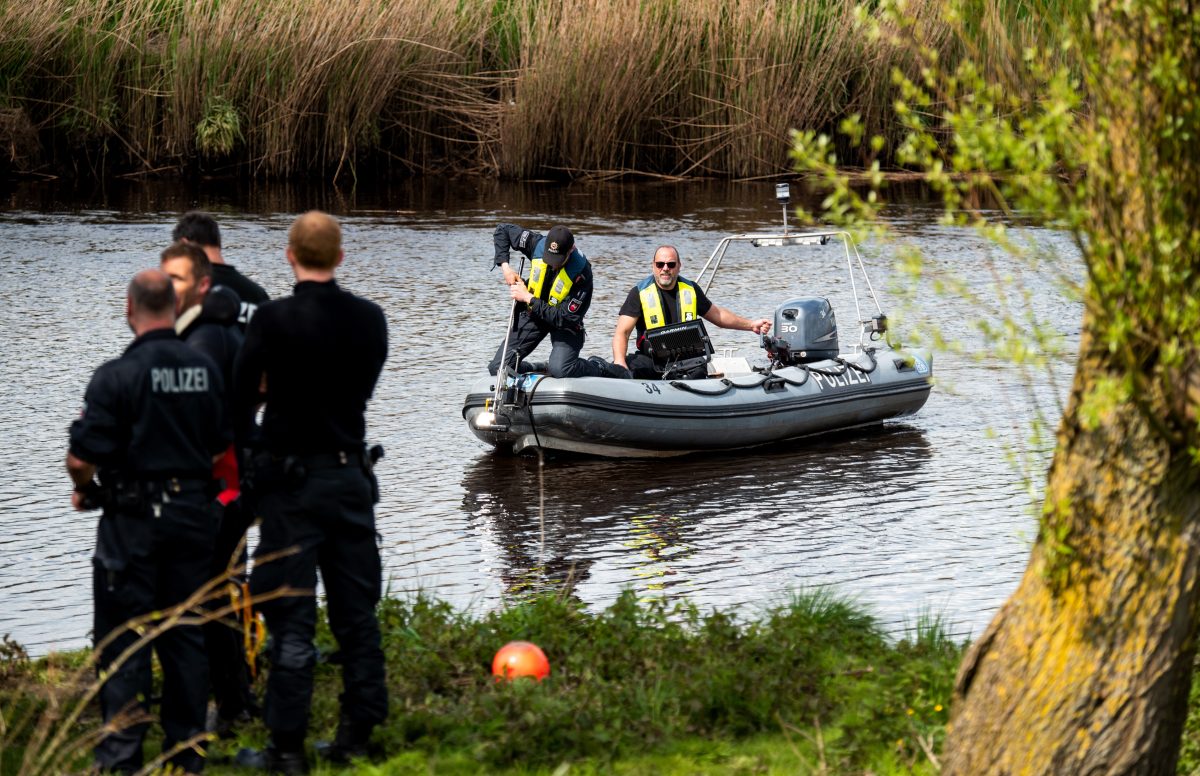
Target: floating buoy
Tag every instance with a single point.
(520, 658)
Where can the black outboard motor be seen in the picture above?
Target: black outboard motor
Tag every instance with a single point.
(805, 331)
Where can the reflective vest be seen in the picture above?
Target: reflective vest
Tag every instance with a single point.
(562, 282)
(652, 309)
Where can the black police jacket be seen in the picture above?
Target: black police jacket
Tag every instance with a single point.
(250, 294)
(216, 333)
(155, 412)
(570, 312)
(321, 350)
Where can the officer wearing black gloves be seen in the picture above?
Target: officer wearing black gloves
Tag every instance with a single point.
(153, 421)
(554, 302)
(207, 320)
(317, 355)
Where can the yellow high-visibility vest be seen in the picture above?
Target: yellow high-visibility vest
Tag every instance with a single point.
(652, 310)
(561, 287)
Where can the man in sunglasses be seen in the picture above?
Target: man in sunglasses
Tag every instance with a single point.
(664, 298)
(553, 302)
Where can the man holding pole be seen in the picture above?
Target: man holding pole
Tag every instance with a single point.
(553, 302)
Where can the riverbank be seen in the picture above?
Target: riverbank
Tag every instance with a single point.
(510, 88)
(638, 687)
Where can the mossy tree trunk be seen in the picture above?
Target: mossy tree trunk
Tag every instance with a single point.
(1086, 668)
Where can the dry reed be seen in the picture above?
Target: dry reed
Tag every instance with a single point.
(518, 88)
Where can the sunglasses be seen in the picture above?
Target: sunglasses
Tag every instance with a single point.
(666, 264)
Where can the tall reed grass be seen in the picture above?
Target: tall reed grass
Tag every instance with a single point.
(517, 88)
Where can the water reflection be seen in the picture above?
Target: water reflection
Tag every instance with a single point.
(671, 525)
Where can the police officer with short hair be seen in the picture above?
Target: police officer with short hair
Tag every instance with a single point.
(201, 229)
(207, 320)
(153, 421)
(662, 298)
(554, 302)
(317, 355)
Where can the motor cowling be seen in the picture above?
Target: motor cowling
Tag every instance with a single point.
(805, 331)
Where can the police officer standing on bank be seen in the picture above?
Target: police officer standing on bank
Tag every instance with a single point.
(207, 320)
(153, 421)
(317, 356)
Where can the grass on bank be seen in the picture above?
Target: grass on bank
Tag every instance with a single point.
(811, 686)
(518, 88)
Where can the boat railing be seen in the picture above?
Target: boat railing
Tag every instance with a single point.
(867, 326)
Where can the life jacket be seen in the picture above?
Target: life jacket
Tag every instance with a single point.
(652, 307)
(562, 282)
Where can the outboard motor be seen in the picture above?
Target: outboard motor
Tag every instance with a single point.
(805, 331)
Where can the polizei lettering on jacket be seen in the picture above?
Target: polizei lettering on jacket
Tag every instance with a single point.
(180, 379)
(843, 380)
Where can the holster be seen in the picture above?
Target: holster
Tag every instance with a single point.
(266, 472)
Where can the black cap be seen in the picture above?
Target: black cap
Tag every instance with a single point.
(559, 243)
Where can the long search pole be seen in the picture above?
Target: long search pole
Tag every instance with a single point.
(502, 372)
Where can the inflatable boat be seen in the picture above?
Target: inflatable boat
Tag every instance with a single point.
(803, 383)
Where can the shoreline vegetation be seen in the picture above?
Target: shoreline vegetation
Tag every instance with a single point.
(515, 89)
(810, 686)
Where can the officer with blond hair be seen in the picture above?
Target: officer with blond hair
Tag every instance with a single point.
(313, 360)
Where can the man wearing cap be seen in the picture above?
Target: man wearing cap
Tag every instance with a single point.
(554, 302)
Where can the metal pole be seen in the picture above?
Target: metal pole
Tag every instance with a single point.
(502, 372)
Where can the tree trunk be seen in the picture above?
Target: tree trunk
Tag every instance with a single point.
(1086, 668)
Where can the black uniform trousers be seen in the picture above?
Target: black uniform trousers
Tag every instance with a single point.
(145, 563)
(528, 333)
(223, 639)
(327, 515)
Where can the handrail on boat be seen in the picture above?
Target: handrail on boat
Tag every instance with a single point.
(785, 238)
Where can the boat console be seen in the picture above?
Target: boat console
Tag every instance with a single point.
(680, 348)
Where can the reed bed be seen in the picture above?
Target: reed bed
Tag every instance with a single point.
(515, 88)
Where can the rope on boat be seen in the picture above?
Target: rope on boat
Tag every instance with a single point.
(870, 353)
(847, 364)
(729, 385)
(771, 374)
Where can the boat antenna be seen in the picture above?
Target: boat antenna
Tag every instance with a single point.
(783, 195)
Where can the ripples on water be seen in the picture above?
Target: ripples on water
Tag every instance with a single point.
(927, 515)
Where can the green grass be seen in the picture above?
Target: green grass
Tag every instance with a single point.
(636, 688)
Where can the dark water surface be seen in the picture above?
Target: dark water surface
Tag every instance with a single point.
(928, 515)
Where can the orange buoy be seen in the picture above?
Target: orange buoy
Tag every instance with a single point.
(520, 658)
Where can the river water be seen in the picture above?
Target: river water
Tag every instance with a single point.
(932, 515)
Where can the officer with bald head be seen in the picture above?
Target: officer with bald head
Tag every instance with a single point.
(312, 361)
(143, 447)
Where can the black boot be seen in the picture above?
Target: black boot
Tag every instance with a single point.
(272, 760)
(352, 742)
(225, 728)
(605, 368)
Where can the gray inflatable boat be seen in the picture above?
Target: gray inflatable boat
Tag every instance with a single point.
(803, 384)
